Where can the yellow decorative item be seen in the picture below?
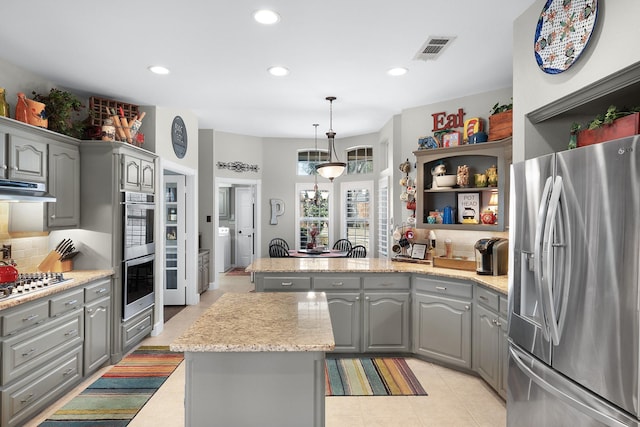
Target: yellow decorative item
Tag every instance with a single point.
(471, 126)
(492, 176)
(480, 180)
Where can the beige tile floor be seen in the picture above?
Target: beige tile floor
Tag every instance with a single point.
(455, 399)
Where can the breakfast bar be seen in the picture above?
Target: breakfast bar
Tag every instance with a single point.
(257, 359)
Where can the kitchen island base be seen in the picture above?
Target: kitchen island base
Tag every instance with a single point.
(255, 388)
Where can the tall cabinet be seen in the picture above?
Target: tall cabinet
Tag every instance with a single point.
(175, 280)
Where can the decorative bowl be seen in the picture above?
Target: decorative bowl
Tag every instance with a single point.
(445, 181)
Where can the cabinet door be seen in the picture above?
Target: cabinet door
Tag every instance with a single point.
(97, 339)
(386, 321)
(27, 159)
(344, 309)
(504, 356)
(443, 329)
(131, 173)
(486, 345)
(147, 176)
(64, 183)
(4, 167)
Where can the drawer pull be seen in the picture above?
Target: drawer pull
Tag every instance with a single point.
(483, 298)
(141, 327)
(101, 291)
(71, 332)
(30, 318)
(72, 302)
(386, 284)
(287, 283)
(441, 288)
(68, 371)
(26, 399)
(337, 284)
(29, 353)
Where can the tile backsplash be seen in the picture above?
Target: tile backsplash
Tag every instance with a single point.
(27, 249)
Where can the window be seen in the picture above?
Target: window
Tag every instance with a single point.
(312, 215)
(358, 213)
(360, 160)
(383, 217)
(308, 159)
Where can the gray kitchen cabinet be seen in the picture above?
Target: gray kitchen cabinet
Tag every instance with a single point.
(203, 271)
(97, 324)
(27, 158)
(490, 339)
(442, 320)
(136, 328)
(344, 309)
(138, 174)
(386, 321)
(64, 184)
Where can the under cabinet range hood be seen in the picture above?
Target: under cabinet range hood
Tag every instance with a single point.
(24, 191)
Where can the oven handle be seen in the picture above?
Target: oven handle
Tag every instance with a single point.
(139, 260)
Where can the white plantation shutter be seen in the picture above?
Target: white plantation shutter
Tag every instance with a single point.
(383, 217)
(358, 213)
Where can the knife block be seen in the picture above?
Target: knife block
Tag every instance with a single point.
(52, 263)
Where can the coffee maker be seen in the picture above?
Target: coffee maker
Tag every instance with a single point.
(492, 256)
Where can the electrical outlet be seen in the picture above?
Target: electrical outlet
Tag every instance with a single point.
(6, 251)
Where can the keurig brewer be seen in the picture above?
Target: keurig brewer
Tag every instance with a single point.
(492, 256)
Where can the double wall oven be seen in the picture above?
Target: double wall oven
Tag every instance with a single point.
(138, 252)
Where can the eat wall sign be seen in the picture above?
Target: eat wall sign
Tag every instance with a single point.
(442, 120)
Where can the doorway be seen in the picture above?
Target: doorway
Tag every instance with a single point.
(245, 225)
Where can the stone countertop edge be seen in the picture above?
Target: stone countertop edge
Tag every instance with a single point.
(371, 265)
(261, 322)
(80, 277)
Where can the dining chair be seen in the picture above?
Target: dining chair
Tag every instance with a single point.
(278, 251)
(279, 241)
(343, 245)
(358, 251)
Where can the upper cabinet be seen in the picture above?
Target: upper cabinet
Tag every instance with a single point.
(138, 174)
(27, 159)
(463, 207)
(64, 183)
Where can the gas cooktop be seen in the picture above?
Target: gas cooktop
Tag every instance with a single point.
(29, 282)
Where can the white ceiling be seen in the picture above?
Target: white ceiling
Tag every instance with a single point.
(218, 56)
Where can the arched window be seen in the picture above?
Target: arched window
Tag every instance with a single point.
(308, 159)
(360, 160)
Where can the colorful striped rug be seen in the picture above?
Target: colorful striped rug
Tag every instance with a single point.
(116, 397)
(380, 376)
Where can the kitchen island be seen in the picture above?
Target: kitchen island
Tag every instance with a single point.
(257, 359)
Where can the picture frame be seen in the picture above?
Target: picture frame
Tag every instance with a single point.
(419, 251)
(469, 206)
(452, 139)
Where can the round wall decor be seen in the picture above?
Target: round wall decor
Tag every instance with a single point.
(563, 32)
(179, 137)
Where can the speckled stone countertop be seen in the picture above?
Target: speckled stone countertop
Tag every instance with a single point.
(80, 277)
(370, 265)
(263, 321)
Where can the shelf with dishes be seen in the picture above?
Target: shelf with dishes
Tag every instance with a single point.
(464, 187)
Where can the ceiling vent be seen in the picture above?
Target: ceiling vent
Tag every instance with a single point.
(433, 47)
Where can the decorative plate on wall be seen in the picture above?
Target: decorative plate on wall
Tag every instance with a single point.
(179, 137)
(563, 32)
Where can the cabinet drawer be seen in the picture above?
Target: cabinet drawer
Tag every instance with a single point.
(504, 306)
(97, 290)
(68, 301)
(30, 395)
(336, 283)
(23, 317)
(287, 283)
(488, 298)
(25, 352)
(386, 281)
(137, 328)
(444, 287)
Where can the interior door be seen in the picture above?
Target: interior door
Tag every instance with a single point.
(175, 281)
(245, 231)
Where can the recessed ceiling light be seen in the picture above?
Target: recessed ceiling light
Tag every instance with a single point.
(158, 69)
(278, 71)
(266, 17)
(398, 71)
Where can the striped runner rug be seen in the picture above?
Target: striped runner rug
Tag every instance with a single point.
(116, 397)
(379, 376)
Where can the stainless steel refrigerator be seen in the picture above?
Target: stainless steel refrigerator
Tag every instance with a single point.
(574, 304)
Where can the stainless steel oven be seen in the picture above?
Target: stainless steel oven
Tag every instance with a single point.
(139, 291)
(139, 219)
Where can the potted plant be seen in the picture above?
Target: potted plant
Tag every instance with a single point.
(500, 121)
(60, 108)
(612, 124)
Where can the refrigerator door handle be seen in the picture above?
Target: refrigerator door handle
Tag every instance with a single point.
(537, 255)
(569, 400)
(547, 261)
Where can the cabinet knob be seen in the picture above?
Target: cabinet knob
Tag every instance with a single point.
(53, 217)
(4, 167)
(367, 298)
(357, 298)
(498, 323)
(466, 307)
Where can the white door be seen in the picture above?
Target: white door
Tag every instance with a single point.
(244, 225)
(175, 238)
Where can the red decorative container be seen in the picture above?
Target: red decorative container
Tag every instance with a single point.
(624, 126)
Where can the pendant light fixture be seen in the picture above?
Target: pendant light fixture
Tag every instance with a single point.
(316, 196)
(331, 169)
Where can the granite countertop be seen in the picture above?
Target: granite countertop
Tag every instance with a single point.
(262, 321)
(80, 277)
(370, 265)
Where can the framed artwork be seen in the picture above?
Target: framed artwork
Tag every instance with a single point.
(469, 208)
(418, 251)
